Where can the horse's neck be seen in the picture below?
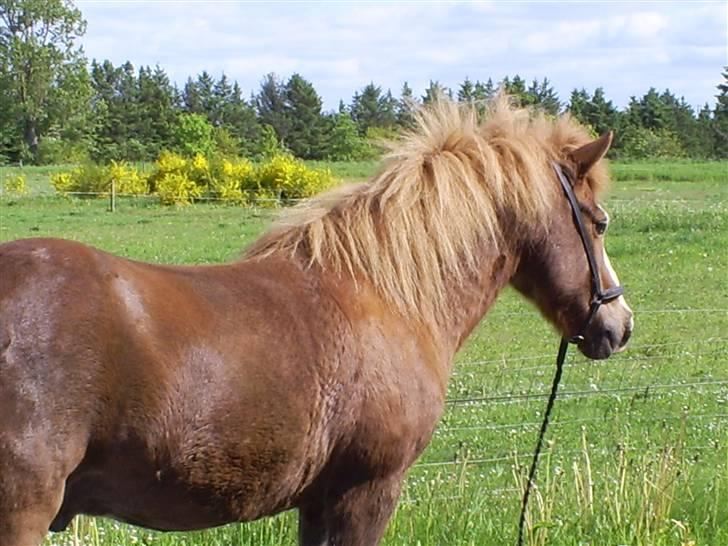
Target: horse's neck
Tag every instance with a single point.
(469, 300)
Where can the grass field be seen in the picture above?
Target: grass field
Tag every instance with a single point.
(638, 450)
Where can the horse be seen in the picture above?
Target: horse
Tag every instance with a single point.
(311, 372)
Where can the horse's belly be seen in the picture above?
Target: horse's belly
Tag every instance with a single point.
(137, 492)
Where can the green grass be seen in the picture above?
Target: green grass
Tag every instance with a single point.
(349, 171)
(638, 449)
(681, 170)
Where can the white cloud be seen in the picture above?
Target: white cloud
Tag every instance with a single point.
(625, 47)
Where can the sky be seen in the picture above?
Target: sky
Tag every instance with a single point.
(624, 47)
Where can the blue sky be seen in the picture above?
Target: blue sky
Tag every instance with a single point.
(625, 47)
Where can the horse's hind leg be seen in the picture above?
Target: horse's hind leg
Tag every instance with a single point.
(357, 516)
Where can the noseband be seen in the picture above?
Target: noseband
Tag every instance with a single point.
(599, 297)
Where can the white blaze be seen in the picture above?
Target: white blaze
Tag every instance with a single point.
(615, 280)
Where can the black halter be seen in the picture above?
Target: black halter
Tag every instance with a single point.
(598, 297)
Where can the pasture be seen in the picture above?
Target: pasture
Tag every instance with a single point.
(638, 449)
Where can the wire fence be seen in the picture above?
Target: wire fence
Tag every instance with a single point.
(521, 380)
(255, 196)
(476, 431)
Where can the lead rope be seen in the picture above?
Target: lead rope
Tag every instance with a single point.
(599, 297)
(544, 425)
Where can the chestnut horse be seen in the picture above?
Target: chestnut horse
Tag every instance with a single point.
(311, 373)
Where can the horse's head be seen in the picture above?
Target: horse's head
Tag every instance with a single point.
(555, 272)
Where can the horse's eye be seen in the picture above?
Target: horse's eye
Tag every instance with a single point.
(601, 227)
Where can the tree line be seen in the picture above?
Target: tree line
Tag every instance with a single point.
(56, 107)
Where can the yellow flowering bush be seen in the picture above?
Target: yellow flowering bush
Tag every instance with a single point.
(198, 169)
(170, 162)
(63, 182)
(179, 180)
(127, 180)
(290, 178)
(166, 163)
(231, 179)
(177, 189)
(15, 186)
(91, 178)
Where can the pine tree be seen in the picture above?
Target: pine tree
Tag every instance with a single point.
(485, 91)
(516, 88)
(270, 103)
(305, 122)
(157, 113)
(651, 110)
(389, 110)
(191, 102)
(404, 107)
(579, 105)
(222, 96)
(603, 114)
(720, 118)
(367, 108)
(205, 90)
(241, 122)
(126, 112)
(705, 135)
(466, 93)
(546, 98)
(435, 91)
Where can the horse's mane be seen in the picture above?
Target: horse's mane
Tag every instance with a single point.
(445, 186)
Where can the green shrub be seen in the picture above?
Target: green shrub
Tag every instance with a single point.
(269, 144)
(226, 144)
(344, 142)
(193, 134)
(643, 143)
(53, 150)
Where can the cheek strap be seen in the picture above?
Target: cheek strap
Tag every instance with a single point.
(598, 295)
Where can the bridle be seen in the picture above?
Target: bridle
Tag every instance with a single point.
(599, 297)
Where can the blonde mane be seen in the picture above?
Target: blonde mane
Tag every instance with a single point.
(445, 187)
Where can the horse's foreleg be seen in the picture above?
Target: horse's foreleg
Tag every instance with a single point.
(33, 472)
(312, 528)
(29, 499)
(357, 516)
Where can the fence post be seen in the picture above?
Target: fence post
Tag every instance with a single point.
(112, 204)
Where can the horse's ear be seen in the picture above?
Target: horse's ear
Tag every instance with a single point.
(588, 155)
